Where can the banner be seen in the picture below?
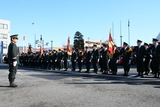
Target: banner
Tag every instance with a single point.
(1, 46)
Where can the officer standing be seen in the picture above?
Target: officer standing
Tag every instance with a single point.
(80, 59)
(65, 59)
(139, 54)
(73, 59)
(147, 59)
(13, 60)
(87, 55)
(155, 55)
(126, 55)
(105, 59)
(95, 58)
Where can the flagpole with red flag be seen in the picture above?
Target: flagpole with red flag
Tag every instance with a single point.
(110, 45)
(68, 47)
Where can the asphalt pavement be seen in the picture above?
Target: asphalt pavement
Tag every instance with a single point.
(48, 88)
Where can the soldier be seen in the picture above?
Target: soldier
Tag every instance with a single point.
(54, 63)
(147, 59)
(126, 55)
(139, 54)
(13, 60)
(65, 59)
(59, 59)
(114, 60)
(95, 58)
(87, 55)
(50, 60)
(105, 59)
(155, 55)
(73, 59)
(101, 59)
(80, 59)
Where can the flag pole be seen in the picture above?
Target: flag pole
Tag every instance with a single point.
(128, 32)
(120, 34)
(113, 30)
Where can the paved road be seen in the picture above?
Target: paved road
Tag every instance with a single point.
(46, 88)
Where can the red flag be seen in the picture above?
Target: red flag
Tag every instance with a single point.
(29, 50)
(41, 50)
(110, 45)
(68, 47)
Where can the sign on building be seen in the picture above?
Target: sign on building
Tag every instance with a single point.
(1, 46)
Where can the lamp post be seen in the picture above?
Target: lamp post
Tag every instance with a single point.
(34, 35)
(51, 45)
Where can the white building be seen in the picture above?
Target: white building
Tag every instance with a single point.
(90, 44)
(5, 34)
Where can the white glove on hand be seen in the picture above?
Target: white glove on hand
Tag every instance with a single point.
(151, 56)
(14, 63)
(143, 59)
(117, 61)
(129, 61)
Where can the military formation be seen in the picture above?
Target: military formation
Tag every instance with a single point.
(145, 56)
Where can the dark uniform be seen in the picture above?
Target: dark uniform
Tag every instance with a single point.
(95, 59)
(13, 60)
(140, 54)
(126, 55)
(73, 59)
(147, 59)
(87, 55)
(105, 59)
(65, 59)
(80, 56)
(113, 62)
(155, 54)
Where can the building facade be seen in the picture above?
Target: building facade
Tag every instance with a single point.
(5, 34)
(90, 44)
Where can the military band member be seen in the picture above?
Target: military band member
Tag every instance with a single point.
(114, 60)
(50, 60)
(105, 59)
(147, 59)
(13, 60)
(87, 55)
(80, 56)
(73, 59)
(59, 59)
(126, 55)
(140, 54)
(65, 59)
(54, 64)
(155, 55)
(95, 58)
(101, 59)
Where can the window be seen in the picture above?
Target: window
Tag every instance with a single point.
(3, 26)
(4, 44)
(3, 36)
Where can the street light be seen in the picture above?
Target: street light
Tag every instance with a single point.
(51, 45)
(34, 35)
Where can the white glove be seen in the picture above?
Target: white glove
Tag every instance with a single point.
(129, 61)
(74, 60)
(98, 60)
(135, 55)
(109, 60)
(151, 56)
(68, 60)
(90, 61)
(55, 60)
(81, 60)
(117, 61)
(143, 59)
(14, 63)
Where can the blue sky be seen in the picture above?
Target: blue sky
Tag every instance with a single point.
(56, 19)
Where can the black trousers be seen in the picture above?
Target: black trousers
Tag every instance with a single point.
(65, 64)
(73, 65)
(12, 72)
(88, 65)
(95, 65)
(156, 65)
(113, 66)
(126, 66)
(140, 66)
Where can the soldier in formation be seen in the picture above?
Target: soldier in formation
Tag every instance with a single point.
(146, 57)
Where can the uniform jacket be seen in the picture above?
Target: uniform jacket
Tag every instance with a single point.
(13, 53)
